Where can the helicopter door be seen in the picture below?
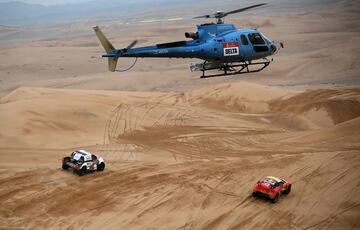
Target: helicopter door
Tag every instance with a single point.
(216, 50)
(245, 48)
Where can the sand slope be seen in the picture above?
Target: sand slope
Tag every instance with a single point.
(180, 160)
(183, 152)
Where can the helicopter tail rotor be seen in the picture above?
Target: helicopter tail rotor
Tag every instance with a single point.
(131, 45)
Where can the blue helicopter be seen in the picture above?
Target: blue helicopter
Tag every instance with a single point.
(220, 45)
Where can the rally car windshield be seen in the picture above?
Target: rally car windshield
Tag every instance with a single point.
(77, 157)
(270, 181)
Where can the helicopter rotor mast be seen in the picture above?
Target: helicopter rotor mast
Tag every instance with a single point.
(220, 15)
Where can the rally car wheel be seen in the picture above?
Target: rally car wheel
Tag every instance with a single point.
(254, 194)
(64, 165)
(276, 198)
(82, 171)
(287, 191)
(101, 167)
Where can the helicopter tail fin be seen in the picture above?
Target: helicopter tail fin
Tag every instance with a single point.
(104, 41)
(112, 61)
(109, 48)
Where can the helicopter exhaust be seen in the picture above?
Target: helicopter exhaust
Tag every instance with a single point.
(192, 35)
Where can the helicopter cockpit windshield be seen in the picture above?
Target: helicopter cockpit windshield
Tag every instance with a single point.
(267, 40)
(256, 39)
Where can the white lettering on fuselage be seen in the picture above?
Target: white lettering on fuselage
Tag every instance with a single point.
(231, 51)
(164, 51)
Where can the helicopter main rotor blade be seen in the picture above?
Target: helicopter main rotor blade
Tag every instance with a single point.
(131, 45)
(243, 9)
(221, 14)
(203, 16)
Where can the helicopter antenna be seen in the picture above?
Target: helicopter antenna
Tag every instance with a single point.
(130, 67)
(131, 45)
(220, 15)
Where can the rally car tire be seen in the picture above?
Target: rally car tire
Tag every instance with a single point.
(82, 171)
(287, 191)
(101, 167)
(64, 165)
(276, 198)
(254, 194)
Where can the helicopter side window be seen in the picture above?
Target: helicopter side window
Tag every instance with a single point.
(256, 39)
(244, 41)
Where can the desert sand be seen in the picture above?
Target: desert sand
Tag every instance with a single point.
(184, 152)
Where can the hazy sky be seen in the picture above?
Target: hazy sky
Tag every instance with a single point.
(45, 2)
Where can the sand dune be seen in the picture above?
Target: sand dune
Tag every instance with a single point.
(182, 152)
(213, 143)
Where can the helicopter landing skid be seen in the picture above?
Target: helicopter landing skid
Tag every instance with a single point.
(233, 69)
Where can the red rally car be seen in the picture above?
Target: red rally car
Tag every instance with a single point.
(271, 187)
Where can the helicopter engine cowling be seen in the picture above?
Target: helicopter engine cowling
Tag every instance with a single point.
(192, 35)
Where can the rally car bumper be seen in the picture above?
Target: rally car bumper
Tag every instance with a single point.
(263, 194)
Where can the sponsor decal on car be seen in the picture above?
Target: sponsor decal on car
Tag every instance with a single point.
(231, 48)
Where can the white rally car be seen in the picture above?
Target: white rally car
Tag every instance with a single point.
(83, 162)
